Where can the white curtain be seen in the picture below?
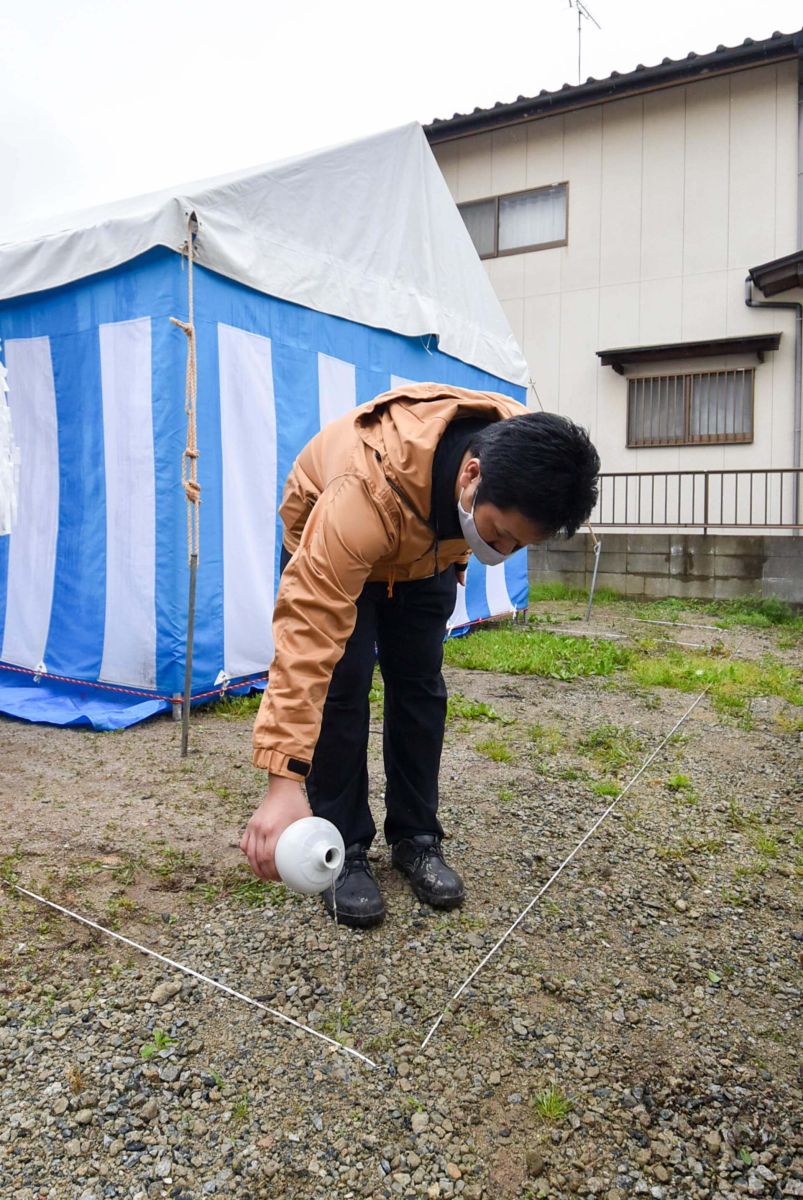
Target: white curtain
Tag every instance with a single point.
(721, 405)
(480, 222)
(532, 219)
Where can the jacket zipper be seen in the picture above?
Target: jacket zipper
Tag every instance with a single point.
(435, 543)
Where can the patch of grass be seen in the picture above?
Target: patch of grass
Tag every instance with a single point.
(554, 590)
(460, 708)
(690, 846)
(124, 872)
(670, 608)
(733, 682)
(494, 749)
(766, 845)
(744, 610)
(757, 866)
(240, 1111)
(236, 708)
(611, 745)
(242, 887)
(570, 774)
(738, 817)
(159, 1041)
(551, 1104)
(758, 613)
(533, 652)
(506, 796)
(789, 724)
(377, 692)
(170, 862)
(606, 787)
(8, 866)
(548, 738)
(116, 906)
(340, 1021)
(681, 787)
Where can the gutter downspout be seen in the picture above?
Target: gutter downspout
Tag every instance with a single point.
(798, 307)
(800, 150)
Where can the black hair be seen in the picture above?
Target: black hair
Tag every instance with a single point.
(542, 465)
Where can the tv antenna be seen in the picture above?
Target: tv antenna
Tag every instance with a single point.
(582, 15)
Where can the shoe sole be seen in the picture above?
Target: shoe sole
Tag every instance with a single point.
(354, 922)
(453, 902)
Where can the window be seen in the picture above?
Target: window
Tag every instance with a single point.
(690, 410)
(533, 220)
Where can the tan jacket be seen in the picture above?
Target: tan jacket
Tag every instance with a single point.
(354, 510)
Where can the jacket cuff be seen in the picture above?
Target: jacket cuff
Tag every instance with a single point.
(277, 763)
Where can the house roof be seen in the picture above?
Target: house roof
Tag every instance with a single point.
(779, 275)
(758, 344)
(667, 73)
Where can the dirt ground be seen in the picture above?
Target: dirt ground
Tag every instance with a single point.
(656, 988)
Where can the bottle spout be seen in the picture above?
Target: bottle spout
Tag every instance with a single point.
(309, 855)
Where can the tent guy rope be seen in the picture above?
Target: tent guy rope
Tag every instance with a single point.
(273, 1012)
(562, 866)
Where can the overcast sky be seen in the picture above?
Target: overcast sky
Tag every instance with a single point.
(102, 99)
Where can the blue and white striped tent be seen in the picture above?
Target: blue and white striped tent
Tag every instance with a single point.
(318, 284)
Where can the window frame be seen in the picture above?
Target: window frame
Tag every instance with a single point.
(496, 252)
(716, 439)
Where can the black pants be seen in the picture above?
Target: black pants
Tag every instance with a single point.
(407, 629)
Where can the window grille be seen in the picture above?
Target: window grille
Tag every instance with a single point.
(690, 410)
(531, 220)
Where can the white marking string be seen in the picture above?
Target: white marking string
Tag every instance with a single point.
(197, 975)
(564, 864)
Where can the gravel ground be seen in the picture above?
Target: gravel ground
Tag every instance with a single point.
(638, 1034)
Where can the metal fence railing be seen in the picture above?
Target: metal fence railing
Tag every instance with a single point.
(757, 499)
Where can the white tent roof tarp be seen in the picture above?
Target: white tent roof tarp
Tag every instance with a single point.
(367, 231)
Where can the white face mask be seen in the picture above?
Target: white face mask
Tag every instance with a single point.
(480, 548)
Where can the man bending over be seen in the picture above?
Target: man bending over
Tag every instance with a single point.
(380, 513)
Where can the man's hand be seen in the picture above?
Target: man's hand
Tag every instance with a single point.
(284, 802)
(460, 573)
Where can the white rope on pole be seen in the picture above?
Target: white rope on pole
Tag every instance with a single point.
(274, 1012)
(564, 864)
(189, 459)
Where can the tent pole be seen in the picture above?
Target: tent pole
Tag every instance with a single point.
(185, 709)
(189, 481)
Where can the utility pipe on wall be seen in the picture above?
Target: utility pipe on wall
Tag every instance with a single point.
(798, 308)
(800, 150)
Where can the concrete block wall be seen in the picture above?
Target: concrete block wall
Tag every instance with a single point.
(693, 566)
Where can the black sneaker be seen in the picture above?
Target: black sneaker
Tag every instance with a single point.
(421, 860)
(359, 902)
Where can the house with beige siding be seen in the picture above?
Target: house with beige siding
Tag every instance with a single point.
(624, 223)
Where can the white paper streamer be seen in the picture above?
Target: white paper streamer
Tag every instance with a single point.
(9, 460)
